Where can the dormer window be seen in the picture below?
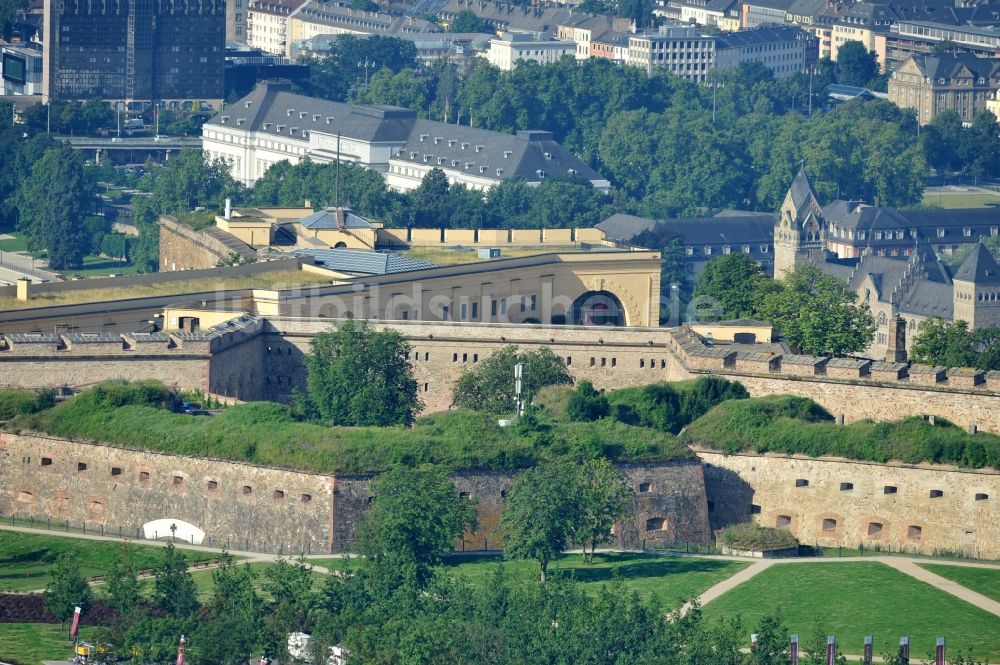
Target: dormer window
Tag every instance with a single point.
(423, 137)
(438, 139)
(302, 114)
(464, 145)
(315, 117)
(571, 171)
(240, 121)
(329, 119)
(482, 169)
(479, 148)
(225, 119)
(507, 154)
(499, 172)
(451, 142)
(547, 155)
(289, 112)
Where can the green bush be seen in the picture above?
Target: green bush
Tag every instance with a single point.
(669, 407)
(797, 425)
(586, 404)
(752, 536)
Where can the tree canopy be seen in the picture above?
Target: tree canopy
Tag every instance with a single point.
(856, 65)
(818, 313)
(68, 589)
(954, 345)
(415, 517)
(489, 386)
(360, 376)
(51, 204)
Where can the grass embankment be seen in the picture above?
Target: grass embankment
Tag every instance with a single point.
(282, 279)
(981, 580)
(27, 560)
(786, 424)
(854, 599)
(33, 643)
(268, 434)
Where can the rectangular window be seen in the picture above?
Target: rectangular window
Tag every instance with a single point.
(493, 307)
(475, 311)
(464, 311)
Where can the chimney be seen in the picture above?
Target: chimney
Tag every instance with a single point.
(896, 352)
(341, 225)
(229, 208)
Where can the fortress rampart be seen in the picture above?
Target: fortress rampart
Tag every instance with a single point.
(252, 358)
(926, 508)
(280, 510)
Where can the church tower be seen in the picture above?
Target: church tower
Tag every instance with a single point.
(799, 230)
(976, 290)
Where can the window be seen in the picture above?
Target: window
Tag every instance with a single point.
(278, 495)
(656, 524)
(143, 476)
(306, 498)
(801, 482)
(464, 495)
(212, 485)
(116, 471)
(829, 524)
(247, 490)
(493, 307)
(783, 521)
(936, 494)
(914, 532)
(754, 509)
(874, 529)
(46, 461)
(982, 497)
(889, 489)
(475, 310)
(645, 487)
(81, 466)
(846, 487)
(569, 360)
(178, 481)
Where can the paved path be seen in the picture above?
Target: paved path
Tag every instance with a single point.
(910, 567)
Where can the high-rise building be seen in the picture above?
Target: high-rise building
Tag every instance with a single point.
(136, 51)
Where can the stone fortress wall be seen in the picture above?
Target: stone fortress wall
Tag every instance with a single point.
(253, 358)
(924, 508)
(277, 510)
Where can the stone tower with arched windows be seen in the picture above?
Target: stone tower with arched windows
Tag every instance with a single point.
(976, 293)
(799, 231)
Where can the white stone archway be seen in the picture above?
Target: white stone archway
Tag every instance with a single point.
(181, 530)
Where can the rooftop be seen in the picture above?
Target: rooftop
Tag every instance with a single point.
(363, 262)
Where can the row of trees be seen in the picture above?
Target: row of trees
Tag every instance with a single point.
(816, 313)
(557, 202)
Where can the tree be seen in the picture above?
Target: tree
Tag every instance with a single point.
(8, 16)
(235, 611)
(735, 283)
(416, 516)
(605, 499)
(68, 589)
(123, 588)
(430, 200)
(489, 386)
(944, 343)
(856, 65)
(941, 139)
(468, 21)
(52, 203)
(290, 584)
(818, 313)
(174, 589)
(587, 404)
(542, 512)
(360, 376)
(351, 58)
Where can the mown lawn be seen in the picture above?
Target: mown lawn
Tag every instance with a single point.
(670, 579)
(959, 199)
(31, 643)
(981, 580)
(27, 559)
(854, 599)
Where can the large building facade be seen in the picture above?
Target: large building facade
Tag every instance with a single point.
(959, 82)
(271, 125)
(139, 51)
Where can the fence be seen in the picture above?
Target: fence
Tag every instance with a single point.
(252, 542)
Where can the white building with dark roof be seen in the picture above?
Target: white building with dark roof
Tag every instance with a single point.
(272, 124)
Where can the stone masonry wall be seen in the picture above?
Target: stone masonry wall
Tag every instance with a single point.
(829, 502)
(41, 477)
(182, 371)
(669, 506)
(280, 510)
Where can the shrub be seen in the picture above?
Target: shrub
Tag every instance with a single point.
(752, 536)
(586, 404)
(669, 407)
(23, 402)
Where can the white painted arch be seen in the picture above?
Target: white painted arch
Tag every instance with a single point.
(181, 530)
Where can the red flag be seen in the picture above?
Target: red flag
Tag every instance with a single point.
(180, 651)
(75, 628)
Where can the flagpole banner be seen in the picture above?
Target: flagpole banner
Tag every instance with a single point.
(794, 651)
(831, 650)
(75, 628)
(939, 652)
(869, 650)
